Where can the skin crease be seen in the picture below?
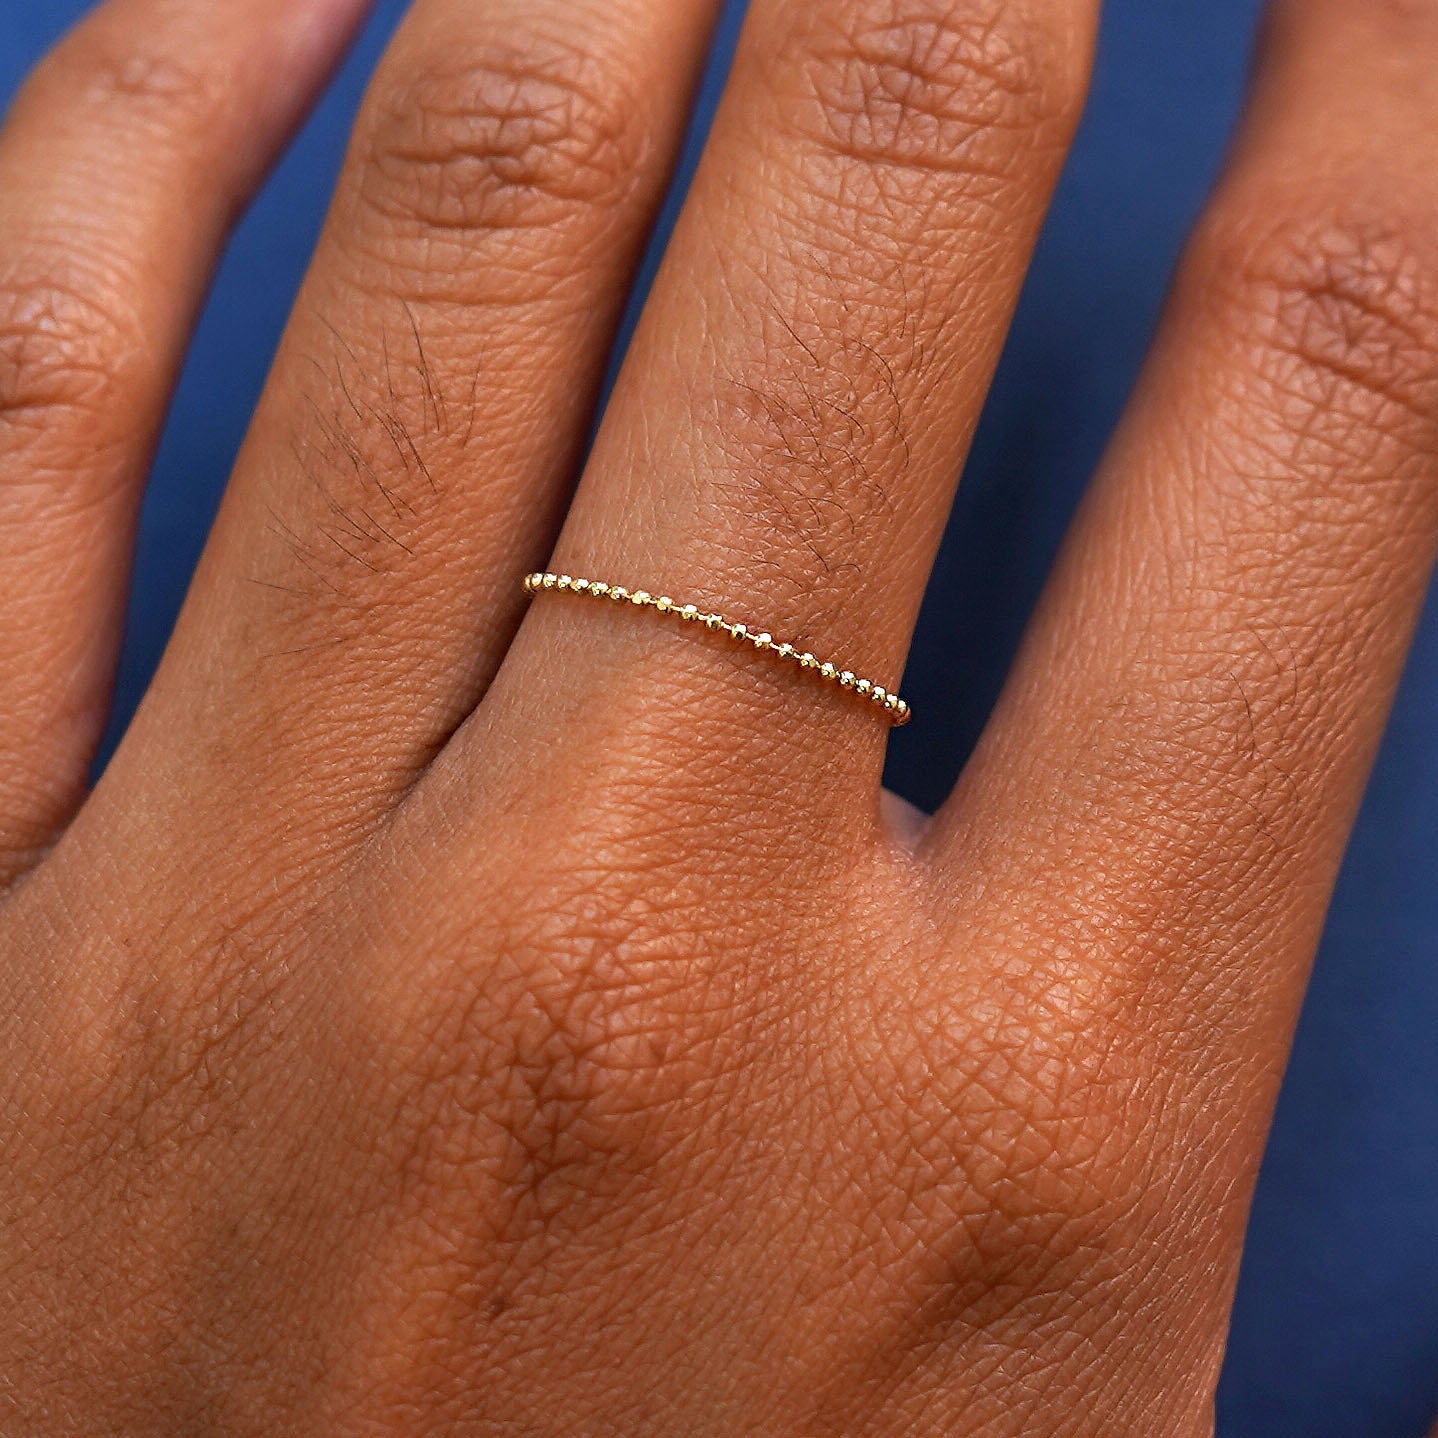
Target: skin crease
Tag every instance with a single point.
(448, 1016)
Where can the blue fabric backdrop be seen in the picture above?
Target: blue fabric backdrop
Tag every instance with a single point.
(1336, 1332)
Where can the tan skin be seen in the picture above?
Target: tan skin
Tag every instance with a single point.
(455, 1015)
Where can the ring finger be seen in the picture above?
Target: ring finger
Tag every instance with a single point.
(785, 437)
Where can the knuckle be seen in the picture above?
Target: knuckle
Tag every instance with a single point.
(183, 1035)
(153, 81)
(922, 84)
(566, 1076)
(1024, 1161)
(511, 139)
(63, 351)
(1339, 309)
(101, 69)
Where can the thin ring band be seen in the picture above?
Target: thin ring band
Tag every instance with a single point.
(896, 711)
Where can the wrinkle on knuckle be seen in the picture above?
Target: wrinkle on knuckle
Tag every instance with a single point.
(157, 82)
(168, 1070)
(185, 1043)
(104, 71)
(1338, 309)
(919, 85)
(64, 350)
(505, 140)
(1014, 1142)
(565, 1077)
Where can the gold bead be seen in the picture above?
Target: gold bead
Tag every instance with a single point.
(880, 694)
(738, 631)
(784, 651)
(828, 671)
(848, 679)
(619, 594)
(689, 613)
(763, 641)
(599, 589)
(714, 621)
(807, 661)
(864, 687)
(581, 586)
(639, 597)
(549, 581)
(664, 604)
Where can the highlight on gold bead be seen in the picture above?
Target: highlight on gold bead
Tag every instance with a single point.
(894, 709)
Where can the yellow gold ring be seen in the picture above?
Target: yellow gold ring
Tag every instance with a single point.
(895, 709)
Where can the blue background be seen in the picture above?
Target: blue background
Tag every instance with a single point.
(1336, 1330)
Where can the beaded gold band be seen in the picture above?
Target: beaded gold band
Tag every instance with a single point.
(895, 709)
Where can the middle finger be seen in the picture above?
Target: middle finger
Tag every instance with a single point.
(416, 441)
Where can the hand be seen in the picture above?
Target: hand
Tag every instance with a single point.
(460, 1014)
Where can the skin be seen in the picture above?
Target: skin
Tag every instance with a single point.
(458, 1015)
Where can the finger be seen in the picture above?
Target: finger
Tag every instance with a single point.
(786, 435)
(417, 439)
(121, 164)
(1172, 774)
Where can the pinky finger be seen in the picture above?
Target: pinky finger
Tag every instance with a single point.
(122, 164)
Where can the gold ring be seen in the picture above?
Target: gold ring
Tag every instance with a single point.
(895, 709)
